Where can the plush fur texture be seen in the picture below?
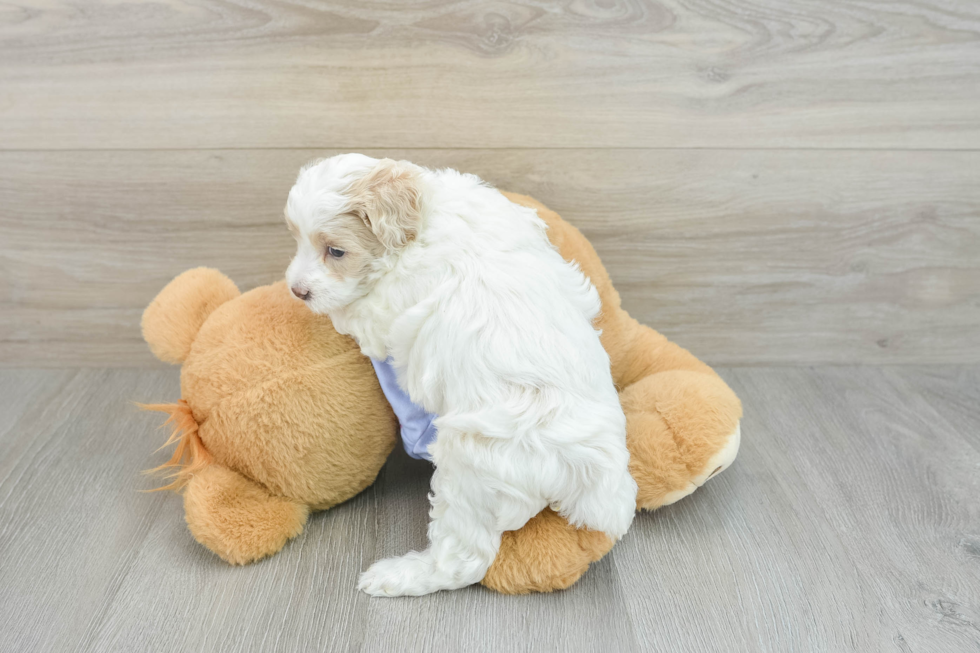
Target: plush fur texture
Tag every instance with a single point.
(247, 360)
(218, 502)
(171, 322)
(190, 456)
(276, 395)
(487, 327)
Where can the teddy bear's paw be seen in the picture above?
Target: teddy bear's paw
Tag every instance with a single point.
(716, 464)
(410, 575)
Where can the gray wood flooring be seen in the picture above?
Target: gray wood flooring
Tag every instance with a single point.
(849, 522)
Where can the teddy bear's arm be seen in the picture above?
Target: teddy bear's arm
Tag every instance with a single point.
(237, 518)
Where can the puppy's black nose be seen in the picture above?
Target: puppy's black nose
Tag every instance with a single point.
(301, 291)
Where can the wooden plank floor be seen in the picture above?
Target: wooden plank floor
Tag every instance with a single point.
(849, 522)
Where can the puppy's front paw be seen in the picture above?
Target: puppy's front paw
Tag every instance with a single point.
(410, 575)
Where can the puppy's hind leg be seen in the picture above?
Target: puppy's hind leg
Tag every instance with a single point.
(607, 506)
(464, 536)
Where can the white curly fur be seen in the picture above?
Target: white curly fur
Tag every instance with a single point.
(487, 327)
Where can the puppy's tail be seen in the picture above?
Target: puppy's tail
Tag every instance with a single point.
(189, 456)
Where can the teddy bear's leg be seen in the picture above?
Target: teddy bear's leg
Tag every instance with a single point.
(545, 555)
(682, 429)
(237, 518)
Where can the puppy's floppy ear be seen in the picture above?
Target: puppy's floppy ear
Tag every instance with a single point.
(388, 199)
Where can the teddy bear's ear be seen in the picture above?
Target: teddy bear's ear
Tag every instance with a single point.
(172, 320)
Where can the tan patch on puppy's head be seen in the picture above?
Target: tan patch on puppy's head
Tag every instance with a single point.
(389, 201)
(347, 212)
(333, 258)
(348, 234)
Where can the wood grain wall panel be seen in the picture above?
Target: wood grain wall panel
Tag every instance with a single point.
(351, 74)
(760, 256)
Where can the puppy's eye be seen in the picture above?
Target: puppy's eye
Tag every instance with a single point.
(336, 253)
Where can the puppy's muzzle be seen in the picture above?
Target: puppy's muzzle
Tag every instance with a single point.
(302, 292)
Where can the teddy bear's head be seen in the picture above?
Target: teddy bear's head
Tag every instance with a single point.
(268, 390)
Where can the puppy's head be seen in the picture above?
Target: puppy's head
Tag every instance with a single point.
(348, 213)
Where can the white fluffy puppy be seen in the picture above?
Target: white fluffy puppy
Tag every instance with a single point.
(488, 328)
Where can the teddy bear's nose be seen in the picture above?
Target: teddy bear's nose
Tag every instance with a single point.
(301, 291)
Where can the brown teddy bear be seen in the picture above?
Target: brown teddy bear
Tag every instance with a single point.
(281, 415)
